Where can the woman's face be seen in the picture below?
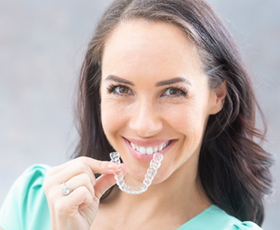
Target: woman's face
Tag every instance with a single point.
(154, 96)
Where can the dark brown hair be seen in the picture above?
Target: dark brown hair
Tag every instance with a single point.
(233, 167)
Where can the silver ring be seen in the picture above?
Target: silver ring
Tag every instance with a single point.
(66, 190)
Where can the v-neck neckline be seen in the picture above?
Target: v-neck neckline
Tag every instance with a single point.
(199, 217)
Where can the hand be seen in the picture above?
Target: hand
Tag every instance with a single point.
(77, 210)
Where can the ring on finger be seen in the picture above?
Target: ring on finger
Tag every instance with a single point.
(65, 190)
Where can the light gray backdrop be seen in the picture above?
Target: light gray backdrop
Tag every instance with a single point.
(41, 47)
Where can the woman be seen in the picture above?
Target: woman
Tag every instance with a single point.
(158, 77)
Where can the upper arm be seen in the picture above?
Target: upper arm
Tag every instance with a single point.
(26, 204)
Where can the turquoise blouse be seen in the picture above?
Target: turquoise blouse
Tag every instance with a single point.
(26, 208)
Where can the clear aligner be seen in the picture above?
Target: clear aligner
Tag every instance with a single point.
(149, 176)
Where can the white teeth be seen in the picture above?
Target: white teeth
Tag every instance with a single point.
(148, 150)
(142, 150)
(133, 145)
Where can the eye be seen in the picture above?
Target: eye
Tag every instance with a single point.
(170, 92)
(122, 90)
(119, 90)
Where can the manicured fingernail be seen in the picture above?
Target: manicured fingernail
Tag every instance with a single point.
(113, 166)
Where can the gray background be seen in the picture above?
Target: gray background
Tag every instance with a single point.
(41, 48)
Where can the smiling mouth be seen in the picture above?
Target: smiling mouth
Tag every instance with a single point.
(149, 150)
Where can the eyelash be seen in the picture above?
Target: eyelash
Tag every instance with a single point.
(183, 91)
(111, 89)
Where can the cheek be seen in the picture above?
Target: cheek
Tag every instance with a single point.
(113, 117)
(188, 120)
(181, 117)
(109, 117)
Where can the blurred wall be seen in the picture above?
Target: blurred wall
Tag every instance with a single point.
(41, 48)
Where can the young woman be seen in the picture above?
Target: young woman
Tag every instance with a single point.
(158, 77)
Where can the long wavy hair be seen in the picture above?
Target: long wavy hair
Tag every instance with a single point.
(233, 167)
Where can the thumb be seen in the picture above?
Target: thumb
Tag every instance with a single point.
(106, 181)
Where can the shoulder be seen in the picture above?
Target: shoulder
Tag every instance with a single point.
(246, 225)
(26, 202)
(214, 218)
(32, 177)
(30, 183)
(225, 221)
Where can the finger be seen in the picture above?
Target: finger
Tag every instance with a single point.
(106, 181)
(71, 171)
(79, 181)
(95, 165)
(103, 183)
(88, 165)
(61, 167)
(102, 167)
(79, 197)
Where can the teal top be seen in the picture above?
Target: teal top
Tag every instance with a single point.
(26, 208)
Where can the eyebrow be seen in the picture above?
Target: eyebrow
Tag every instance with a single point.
(173, 81)
(161, 83)
(118, 79)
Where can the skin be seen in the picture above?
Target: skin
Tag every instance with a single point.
(150, 114)
(139, 105)
(79, 208)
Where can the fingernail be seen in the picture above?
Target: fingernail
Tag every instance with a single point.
(113, 166)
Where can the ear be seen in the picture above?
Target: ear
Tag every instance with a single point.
(218, 98)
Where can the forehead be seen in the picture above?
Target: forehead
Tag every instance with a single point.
(137, 43)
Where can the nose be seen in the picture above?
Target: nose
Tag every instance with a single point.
(145, 120)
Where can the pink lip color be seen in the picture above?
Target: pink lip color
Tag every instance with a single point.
(144, 157)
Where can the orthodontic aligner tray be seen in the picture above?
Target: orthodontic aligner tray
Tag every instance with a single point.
(149, 176)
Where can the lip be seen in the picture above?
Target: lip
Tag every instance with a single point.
(147, 158)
